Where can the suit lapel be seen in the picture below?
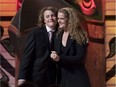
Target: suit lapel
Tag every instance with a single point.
(46, 35)
(69, 43)
(59, 41)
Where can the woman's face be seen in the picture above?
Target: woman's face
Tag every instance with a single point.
(62, 20)
(50, 19)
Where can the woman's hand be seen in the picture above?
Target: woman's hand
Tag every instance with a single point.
(54, 56)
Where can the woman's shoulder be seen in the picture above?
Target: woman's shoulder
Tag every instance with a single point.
(58, 33)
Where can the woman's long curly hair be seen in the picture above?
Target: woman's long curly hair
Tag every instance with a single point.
(75, 27)
(41, 16)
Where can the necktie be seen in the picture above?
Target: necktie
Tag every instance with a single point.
(50, 35)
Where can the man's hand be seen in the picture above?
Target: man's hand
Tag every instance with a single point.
(21, 81)
(55, 56)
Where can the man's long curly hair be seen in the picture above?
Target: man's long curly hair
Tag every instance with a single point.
(75, 27)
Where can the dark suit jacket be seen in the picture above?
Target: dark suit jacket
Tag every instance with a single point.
(73, 72)
(36, 64)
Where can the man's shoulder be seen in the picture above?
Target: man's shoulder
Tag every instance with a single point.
(39, 28)
(36, 29)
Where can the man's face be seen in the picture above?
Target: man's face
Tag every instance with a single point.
(50, 19)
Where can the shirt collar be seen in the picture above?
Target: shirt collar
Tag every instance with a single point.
(49, 29)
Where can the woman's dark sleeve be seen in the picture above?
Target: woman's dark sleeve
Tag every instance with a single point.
(76, 59)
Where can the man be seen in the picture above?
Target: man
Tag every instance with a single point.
(36, 64)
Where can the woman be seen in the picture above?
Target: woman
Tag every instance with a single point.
(70, 48)
(36, 65)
